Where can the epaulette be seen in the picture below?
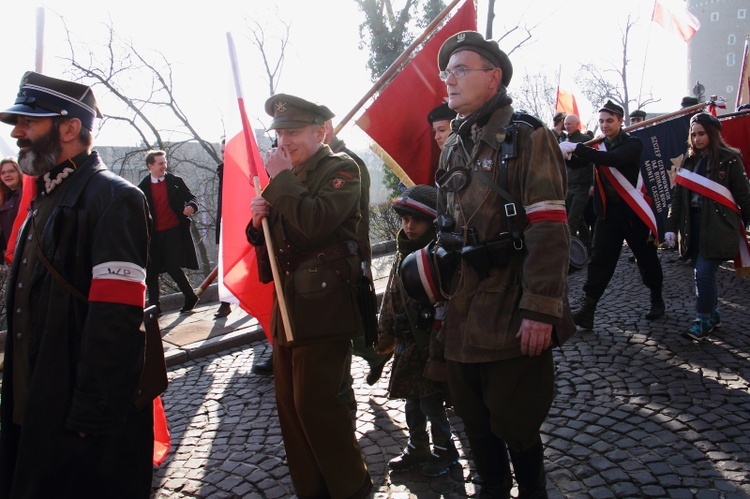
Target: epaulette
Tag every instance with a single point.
(527, 119)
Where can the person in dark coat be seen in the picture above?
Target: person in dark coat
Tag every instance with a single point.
(224, 307)
(171, 203)
(74, 352)
(710, 209)
(11, 185)
(580, 183)
(616, 220)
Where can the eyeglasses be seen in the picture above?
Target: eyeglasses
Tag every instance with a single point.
(459, 72)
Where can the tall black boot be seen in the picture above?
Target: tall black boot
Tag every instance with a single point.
(584, 315)
(529, 470)
(492, 465)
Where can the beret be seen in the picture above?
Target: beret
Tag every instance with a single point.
(289, 111)
(441, 113)
(706, 119)
(44, 96)
(475, 42)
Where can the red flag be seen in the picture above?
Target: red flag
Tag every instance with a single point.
(28, 193)
(675, 18)
(162, 440)
(736, 132)
(397, 120)
(743, 89)
(241, 163)
(566, 102)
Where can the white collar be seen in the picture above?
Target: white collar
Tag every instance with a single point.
(155, 180)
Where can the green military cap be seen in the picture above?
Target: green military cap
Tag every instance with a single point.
(475, 42)
(638, 114)
(289, 111)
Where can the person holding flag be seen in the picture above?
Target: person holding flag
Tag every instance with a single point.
(312, 206)
(710, 208)
(620, 215)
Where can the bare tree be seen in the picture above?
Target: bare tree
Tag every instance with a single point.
(612, 83)
(272, 67)
(151, 110)
(536, 96)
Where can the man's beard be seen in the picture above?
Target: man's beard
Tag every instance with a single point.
(42, 154)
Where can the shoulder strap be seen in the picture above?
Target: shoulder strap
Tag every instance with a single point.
(59, 279)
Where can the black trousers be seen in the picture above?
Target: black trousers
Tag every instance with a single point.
(621, 224)
(166, 255)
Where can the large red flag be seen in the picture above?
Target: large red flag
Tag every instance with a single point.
(397, 119)
(675, 18)
(736, 132)
(241, 163)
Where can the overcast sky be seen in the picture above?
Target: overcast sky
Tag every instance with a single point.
(324, 60)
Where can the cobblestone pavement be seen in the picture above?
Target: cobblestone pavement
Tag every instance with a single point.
(639, 412)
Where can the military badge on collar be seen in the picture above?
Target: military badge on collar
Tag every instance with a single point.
(486, 164)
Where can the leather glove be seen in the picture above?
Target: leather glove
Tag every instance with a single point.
(671, 239)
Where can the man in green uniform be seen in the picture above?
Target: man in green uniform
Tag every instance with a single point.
(312, 206)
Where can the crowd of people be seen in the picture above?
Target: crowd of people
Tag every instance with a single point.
(474, 303)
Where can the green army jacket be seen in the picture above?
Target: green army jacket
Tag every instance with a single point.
(316, 206)
(484, 315)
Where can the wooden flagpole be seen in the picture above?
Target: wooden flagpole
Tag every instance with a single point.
(396, 66)
(256, 182)
(657, 119)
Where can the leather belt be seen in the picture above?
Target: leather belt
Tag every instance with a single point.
(293, 261)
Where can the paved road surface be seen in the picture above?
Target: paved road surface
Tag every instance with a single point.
(639, 412)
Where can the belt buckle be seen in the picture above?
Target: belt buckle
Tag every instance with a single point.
(510, 210)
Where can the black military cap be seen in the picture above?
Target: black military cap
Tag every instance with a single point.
(638, 114)
(475, 42)
(612, 108)
(43, 96)
(441, 113)
(706, 119)
(289, 111)
(688, 101)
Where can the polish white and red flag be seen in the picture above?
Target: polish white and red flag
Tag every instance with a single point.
(674, 16)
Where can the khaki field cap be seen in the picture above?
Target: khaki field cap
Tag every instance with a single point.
(475, 42)
(43, 96)
(289, 111)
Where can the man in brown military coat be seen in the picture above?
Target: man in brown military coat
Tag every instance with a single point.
(508, 290)
(312, 206)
